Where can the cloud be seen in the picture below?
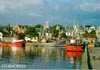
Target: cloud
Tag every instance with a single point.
(33, 14)
(88, 6)
(55, 11)
(17, 4)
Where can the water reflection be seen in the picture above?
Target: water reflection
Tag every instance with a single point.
(18, 55)
(74, 58)
(0, 50)
(6, 52)
(45, 53)
(41, 57)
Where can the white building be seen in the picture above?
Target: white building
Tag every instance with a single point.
(46, 26)
(98, 32)
(1, 36)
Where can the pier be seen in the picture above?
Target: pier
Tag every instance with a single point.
(91, 59)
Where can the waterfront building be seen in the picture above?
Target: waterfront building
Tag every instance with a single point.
(18, 31)
(46, 26)
(1, 36)
(18, 28)
(90, 35)
(98, 33)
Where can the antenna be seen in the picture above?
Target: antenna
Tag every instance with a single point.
(75, 31)
(75, 23)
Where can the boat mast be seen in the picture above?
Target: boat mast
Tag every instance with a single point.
(75, 32)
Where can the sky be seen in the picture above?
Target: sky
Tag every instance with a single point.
(64, 12)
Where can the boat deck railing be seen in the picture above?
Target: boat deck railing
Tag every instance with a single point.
(7, 39)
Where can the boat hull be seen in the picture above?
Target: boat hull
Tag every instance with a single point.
(74, 48)
(11, 44)
(6, 44)
(17, 44)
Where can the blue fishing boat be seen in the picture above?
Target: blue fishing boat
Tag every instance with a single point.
(60, 44)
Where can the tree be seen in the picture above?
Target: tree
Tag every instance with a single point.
(38, 26)
(31, 32)
(93, 32)
(56, 29)
(63, 35)
(1, 28)
(6, 30)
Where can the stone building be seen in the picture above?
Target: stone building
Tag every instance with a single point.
(18, 30)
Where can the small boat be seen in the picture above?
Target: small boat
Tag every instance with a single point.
(45, 44)
(60, 44)
(6, 44)
(13, 42)
(17, 43)
(74, 46)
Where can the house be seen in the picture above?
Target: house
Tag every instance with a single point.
(90, 35)
(18, 29)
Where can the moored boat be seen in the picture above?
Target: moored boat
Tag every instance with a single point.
(6, 44)
(74, 46)
(13, 42)
(45, 44)
(17, 43)
(60, 44)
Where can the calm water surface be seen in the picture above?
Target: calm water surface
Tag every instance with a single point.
(39, 58)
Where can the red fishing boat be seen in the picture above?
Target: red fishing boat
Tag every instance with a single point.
(6, 44)
(17, 43)
(74, 48)
(74, 45)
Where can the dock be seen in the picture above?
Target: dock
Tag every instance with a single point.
(95, 57)
(91, 59)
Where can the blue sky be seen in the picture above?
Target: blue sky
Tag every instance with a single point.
(86, 12)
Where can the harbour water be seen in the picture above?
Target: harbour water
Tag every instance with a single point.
(39, 58)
